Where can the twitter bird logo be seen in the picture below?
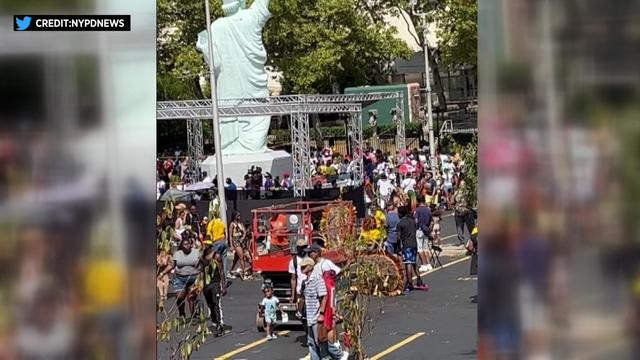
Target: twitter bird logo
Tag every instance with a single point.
(24, 23)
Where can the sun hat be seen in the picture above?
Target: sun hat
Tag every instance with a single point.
(307, 262)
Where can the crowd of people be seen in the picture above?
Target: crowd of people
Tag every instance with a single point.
(406, 198)
(199, 251)
(198, 248)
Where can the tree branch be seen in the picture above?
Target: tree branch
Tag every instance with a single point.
(409, 27)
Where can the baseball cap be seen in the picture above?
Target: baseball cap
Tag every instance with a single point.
(313, 248)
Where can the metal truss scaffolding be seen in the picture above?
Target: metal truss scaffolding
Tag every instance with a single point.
(354, 129)
(298, 107)
(195, 149)
(400, 133)
(301, 153)
(448, 128)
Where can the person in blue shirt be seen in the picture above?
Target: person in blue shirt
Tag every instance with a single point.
(230, 190)
(423, 221)
(391, 243)
(369, 167)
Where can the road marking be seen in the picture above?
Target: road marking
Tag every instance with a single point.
(247, 347)
(396, 346)
(449, 237)
(444, 266)
(468, 278)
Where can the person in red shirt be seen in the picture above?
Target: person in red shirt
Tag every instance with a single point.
(278, 224)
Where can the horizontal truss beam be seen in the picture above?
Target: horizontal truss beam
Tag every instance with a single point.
(187, 112)
(274, 105)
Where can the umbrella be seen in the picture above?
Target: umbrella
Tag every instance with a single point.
(176, 195)
(405, 169)
(203, 185)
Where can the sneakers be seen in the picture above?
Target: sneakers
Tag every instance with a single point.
(425, 268)
(219, 331)
(272, 337)
(423, 287)
(231, 275)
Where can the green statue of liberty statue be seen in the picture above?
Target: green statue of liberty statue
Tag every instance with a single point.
(239, 57)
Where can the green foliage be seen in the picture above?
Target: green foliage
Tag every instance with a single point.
(183, 336)
(180, 65)
(446, 144)
(458, 31)
(457, 28)
(470, 158)
(326, 45)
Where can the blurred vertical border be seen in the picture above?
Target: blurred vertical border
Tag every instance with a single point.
(77, 125)
(559, 179)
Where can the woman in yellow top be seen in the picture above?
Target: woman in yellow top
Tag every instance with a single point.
(215, 231)
(216, 239)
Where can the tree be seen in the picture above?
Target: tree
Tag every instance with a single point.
(470, 158)
(323, 46)
(457, 30)
(179, 64)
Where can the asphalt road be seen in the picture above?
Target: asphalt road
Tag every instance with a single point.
(438, 324)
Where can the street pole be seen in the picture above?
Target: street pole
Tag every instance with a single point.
(432, 143)
(216, 121)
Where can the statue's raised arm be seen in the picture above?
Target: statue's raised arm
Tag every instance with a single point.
(261, 10)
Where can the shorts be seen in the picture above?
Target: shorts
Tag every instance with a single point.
(238, 243)
(409, 255)
(270, 318)
(183, 283)
(390, 247)
(219, 247)
(423, 241)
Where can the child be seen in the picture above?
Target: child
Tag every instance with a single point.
(435, 230)
(162, 261)
(269, 306)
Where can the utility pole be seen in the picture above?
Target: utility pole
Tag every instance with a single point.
(216, 120)
(432, 142)
(427, 72)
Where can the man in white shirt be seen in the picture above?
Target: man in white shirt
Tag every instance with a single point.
(447, 179)
(391, 175)
(381, 168)
(408, 184)
(322, 266)
(296, 283)
(385, 188)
